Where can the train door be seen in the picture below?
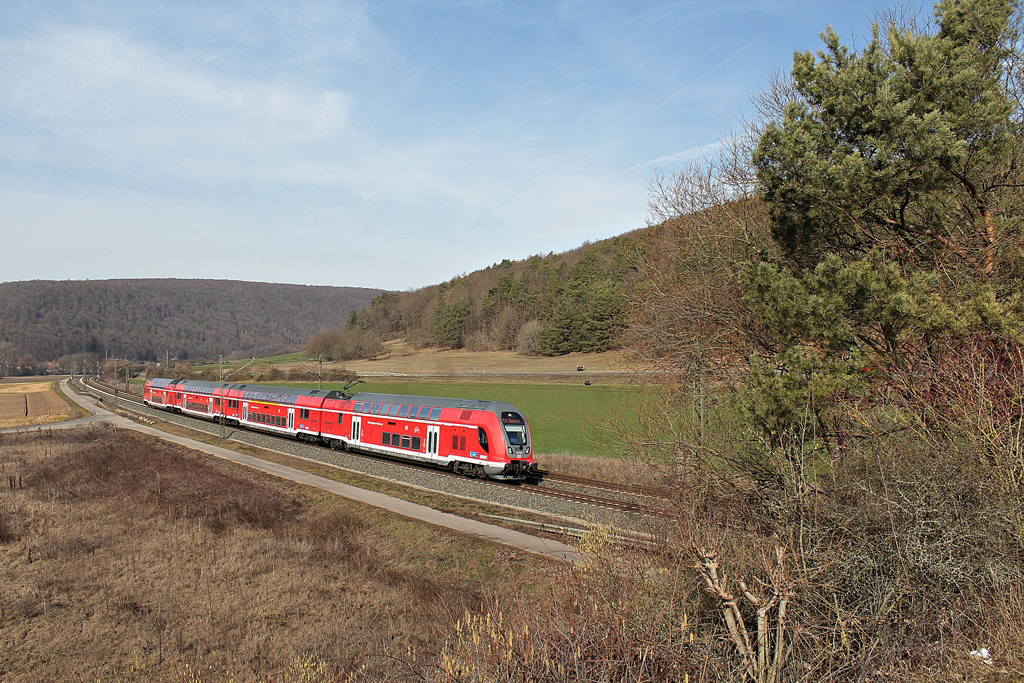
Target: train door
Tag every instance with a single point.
(433, 439)
(356, 424)
(245, 412)
(291, 418)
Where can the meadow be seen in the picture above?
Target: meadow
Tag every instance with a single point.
(568, 419)
(128, 559)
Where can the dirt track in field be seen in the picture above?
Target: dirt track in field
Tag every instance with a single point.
(400, 359)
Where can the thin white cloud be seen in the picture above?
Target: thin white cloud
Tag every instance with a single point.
(703, 152)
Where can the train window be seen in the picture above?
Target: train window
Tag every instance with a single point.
(482, 436)
(414, 412)
(383, 409)
(516, 434)
(216, 401)
(416, 443)
(396, 439)
(385, 438)
(435, 413)
(303, 413)
(359, 407)
(394, 410)
(341, 418)
(404, 411)
(405, 441)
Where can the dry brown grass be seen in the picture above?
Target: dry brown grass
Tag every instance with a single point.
(615, 470)
(124, 558)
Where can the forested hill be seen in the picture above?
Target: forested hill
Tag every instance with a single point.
(554, 304)
(150, 318)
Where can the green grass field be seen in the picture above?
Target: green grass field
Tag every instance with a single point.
(563, 418)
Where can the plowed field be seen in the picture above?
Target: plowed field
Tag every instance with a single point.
(24, 404)
(12, 405)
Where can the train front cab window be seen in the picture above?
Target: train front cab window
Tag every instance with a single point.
(482, 437)
(515, 428)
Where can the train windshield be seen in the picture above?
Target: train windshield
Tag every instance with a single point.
(515, 428)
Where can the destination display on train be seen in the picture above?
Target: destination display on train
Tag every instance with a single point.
(512, 418)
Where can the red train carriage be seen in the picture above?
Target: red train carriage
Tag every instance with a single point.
(476, 438)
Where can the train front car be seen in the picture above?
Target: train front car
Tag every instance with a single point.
(165, 394)
(518, 443)
(487, 439)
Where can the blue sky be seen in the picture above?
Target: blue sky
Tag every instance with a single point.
(390, 144)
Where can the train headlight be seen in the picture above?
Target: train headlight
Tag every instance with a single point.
(510, 450)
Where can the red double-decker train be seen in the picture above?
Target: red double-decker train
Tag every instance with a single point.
(487, 439)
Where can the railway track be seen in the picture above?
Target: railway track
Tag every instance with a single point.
(545, 489)
(636, 489)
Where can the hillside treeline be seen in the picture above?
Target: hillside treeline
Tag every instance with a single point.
(151, 319)
(551, 305)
